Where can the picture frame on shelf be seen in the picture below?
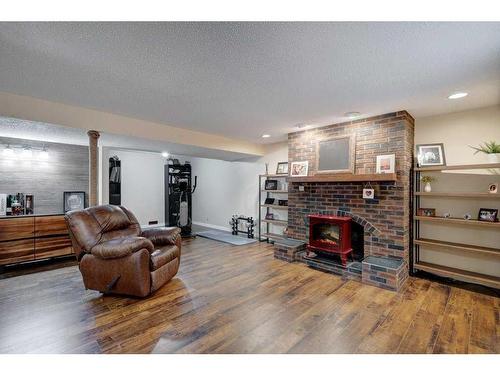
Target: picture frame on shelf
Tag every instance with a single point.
(29, 204)
(269, 201)
(431, 155)
(282, 202)
(488, 214)
(271, 185)
(493, 188)
(299, 168)
(73, 200)
(282, 168)
(269, 216)
(386, 164)
(3, 204)
(429, 212)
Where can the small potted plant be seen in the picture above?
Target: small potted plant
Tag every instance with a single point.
(426, 180)
(491, 149)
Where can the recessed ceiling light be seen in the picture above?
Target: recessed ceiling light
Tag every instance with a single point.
(352, 114)
(164, 154)
(265, 135)
(458, 95)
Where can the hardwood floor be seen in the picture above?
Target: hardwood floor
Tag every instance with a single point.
(239, 299)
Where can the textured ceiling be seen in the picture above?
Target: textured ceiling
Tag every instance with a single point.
(245, 79)
(39, 131)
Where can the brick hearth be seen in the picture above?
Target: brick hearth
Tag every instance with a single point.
(386, 218)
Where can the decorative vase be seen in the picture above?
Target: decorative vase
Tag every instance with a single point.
(427, 187)
(494, 158)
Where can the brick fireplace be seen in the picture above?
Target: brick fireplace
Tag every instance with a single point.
(384, 220)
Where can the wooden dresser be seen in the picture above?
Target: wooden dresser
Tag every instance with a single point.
(29, 238)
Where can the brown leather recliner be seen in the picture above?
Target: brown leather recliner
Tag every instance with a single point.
(116, 256)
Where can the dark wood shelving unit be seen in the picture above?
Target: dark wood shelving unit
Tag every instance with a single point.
(437, 244)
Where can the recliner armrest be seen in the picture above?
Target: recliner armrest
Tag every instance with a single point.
(121, 247)
(162, 236)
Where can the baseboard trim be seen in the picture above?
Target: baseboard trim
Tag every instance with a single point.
(218, 227)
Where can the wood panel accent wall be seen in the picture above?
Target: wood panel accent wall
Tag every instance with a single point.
(67, 169)
(24, 239)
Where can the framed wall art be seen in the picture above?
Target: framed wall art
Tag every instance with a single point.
(73, 200)
(299, 168)
(429, 155)
(386, 164)
(282, 167)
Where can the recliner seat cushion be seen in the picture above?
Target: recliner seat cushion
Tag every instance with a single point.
(163, 255)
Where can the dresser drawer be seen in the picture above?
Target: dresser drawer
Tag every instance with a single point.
(50, 247)
(16, 251)
(50, 225)
(16, 228)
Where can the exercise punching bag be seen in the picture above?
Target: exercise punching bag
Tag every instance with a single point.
(183, 214)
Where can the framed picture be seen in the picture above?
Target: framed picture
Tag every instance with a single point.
(493, 188)
(282, 167)
(269, 201)
(283, 202)
(29, 204)
(426, 212)
(368, 193)
(431, 155)
(336, 155)
(271, 185)
(73, 200)
(299, 168)
(269, 216)
(3, 204)
(487, 214)
(386, 163)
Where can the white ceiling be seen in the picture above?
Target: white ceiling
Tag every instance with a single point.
(39, 131)
(245, 79)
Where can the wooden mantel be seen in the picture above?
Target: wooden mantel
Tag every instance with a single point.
(346, 178)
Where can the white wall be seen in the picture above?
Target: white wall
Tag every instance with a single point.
(224, 188)
(457, 131)
(142, 183)
(229, 188)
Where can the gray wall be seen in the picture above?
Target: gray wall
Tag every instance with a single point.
(67, 169)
